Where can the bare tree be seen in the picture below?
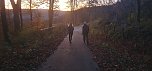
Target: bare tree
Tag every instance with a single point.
(21, 18)
(73, 4)
(31, 15)
(51, 12)
(4, 21)
(138, 15)
(16, 12)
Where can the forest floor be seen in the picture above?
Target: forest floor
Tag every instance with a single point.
(30, 49)
(111, 56)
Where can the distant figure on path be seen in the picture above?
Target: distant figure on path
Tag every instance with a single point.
(85, 31)
(70, 31)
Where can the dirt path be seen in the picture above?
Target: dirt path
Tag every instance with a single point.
(71, 57)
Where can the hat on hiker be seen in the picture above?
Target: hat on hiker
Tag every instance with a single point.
(85, 22)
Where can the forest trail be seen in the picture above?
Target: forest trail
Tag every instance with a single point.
(71, 57)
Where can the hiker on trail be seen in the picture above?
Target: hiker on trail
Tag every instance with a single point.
(70, 31)
(85, 31)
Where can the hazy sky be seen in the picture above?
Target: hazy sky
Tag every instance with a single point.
(62, 4)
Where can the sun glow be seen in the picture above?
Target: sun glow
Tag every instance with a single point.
(62, 5)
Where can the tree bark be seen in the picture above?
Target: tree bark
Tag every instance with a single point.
(16, 12)
(51, 12)
(21, 18)
(138, 15)
(4, 21)
(31, 15)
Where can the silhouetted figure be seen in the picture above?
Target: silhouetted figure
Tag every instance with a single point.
(70, 31)
(85, 31)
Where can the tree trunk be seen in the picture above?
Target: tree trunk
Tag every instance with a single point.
(16, 12)
(50, 18)
(72, 11)
(16, 19)
(4, 21)
(21, 18)
(138, 15)
(51, 13)
(31, 15)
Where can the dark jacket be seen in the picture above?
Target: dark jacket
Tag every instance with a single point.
(70, 29)
(85, 29)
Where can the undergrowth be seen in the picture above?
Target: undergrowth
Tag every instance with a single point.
(30, 48)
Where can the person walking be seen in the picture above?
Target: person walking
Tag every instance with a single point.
(85, 32)
(70, 31)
